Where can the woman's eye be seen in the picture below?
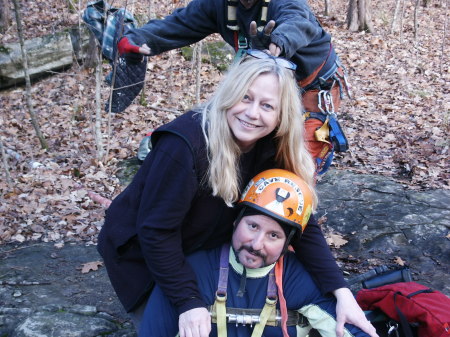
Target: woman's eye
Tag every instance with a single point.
(274, 236)
(246, 98)
(267, 106)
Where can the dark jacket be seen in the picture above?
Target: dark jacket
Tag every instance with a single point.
(168, 211)
(297, 30)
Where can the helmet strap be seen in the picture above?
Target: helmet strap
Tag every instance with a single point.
(288, 241)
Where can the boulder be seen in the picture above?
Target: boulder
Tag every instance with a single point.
(47, 53)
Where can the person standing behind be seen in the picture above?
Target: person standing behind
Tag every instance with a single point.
(285, 28)
(180, 199)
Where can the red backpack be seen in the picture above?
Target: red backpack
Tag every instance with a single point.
(410, 302)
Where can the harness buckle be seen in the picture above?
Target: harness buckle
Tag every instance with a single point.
(242, 42)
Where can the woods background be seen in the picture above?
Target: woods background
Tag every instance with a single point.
(397, 124)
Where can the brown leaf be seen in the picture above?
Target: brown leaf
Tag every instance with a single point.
(94, 265)
(399, 261)
(336, 240)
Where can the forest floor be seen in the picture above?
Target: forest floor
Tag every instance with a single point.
(397, 123)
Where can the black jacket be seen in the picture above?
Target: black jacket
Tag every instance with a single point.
(168, 211)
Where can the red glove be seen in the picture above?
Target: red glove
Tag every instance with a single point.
(125, 47)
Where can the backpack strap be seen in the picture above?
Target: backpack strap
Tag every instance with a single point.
(406, 328)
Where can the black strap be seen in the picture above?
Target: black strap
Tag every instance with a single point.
(429, 290)
(403, 321)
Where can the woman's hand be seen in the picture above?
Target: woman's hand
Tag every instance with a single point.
(348, 311)
(195, 323)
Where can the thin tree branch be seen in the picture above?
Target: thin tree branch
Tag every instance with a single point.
(34, 118)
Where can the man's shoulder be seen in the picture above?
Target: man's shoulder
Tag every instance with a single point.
(292, 264)
(204, 257)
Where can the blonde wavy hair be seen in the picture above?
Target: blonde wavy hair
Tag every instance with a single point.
(223, 152)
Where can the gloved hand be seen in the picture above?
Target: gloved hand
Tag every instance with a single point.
(261, 40)
(130, 51)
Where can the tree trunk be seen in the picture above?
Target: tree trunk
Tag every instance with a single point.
(197, 62)
(328, 10)
(34, 119)
(5, 163)
(443, 42)
(359, 16)
(394, 18)
(416, 14)
(98, 109)
(5, 15)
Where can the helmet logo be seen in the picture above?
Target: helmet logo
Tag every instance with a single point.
(276, 206)
(262, 183)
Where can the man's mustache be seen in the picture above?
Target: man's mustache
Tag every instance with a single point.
(252, 251)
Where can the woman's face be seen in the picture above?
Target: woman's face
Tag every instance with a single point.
(257, 114)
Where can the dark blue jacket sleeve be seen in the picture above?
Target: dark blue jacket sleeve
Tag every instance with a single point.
(183, 27)
(296, 25)
(170, 187)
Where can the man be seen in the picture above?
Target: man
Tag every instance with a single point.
(285, 28)
(257, 285)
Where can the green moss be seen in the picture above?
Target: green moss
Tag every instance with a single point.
(4, 49)
(217, 53)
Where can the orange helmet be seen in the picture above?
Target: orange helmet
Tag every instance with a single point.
(281, 195)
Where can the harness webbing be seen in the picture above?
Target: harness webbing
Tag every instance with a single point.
(232, 15)
(240, 41)
(268, 313)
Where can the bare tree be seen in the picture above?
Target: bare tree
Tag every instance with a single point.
(5, 163)
(444, 38)
(34, 118)
(197, 61)
(5, 15)
(359, 16)
(416, 14)
(394, 18)
(328, 10)
(98, 109)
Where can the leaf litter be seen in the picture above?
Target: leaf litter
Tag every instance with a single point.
(397, 124)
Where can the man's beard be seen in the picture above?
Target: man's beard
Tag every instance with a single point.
(252, 251)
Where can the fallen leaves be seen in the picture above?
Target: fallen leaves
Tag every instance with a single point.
(398, 260)
(335, 240)
(90, 266)
(397, 125)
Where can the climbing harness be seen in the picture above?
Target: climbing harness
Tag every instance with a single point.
(259, 318)
(240, 41)
(321, 100)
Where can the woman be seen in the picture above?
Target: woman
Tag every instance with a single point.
(180, 200)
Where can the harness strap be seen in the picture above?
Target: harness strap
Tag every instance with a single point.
(221, 315)
(231, 15)
(221, 293)
(223, 273)
(269, 310)
(263, 19)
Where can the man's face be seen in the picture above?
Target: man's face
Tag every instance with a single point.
(258, 241)
(248, 3)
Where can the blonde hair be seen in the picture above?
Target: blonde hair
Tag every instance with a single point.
(223, 152)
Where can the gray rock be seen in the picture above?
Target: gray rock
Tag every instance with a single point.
(47, 53)
(383, 220)
(68, 324)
